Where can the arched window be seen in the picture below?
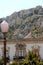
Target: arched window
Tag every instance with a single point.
(20, 52)
(36, 49)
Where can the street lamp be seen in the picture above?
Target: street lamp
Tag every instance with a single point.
(4, 29)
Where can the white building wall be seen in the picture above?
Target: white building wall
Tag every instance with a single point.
(11, 52)
(1, 51)
(13, 49)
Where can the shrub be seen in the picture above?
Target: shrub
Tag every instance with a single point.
(31, 59)
(14, 63)
(1, 62)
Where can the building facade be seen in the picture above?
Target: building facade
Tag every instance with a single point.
(19, 48)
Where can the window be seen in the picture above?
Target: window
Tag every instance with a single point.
(20, 52)
(7, 52)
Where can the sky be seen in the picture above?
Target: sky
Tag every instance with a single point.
(7, 7)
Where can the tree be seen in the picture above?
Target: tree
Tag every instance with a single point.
(32, 59)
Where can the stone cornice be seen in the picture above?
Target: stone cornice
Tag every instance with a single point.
(27, 40)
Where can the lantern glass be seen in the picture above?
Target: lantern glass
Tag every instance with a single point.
(4, 26)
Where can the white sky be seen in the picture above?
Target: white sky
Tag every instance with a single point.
(7, 7)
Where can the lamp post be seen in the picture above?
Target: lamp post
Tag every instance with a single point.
(4, 29)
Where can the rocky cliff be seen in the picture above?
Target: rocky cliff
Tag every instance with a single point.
(24, 22)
